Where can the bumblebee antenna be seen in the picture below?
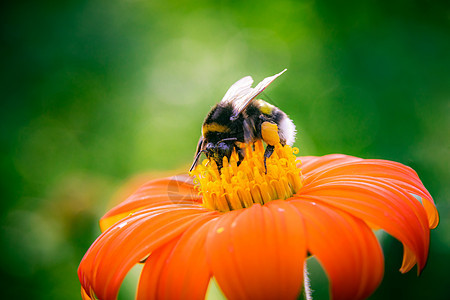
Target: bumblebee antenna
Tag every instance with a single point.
(227, 139)
(266, 95)
(196, 159)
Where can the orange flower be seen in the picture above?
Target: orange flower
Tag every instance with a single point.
(253, 231)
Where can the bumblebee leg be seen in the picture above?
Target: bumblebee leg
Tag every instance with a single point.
(267, 153)
(240, 153)
(219, 164)
(269, 133)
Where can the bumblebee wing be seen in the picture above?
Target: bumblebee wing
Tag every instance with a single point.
(239, 89)
(247, 95)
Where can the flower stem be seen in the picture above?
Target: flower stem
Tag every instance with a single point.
(306, 284)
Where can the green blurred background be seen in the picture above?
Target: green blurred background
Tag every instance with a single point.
(95, 92)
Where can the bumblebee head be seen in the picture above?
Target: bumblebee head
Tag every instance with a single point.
(217, 151)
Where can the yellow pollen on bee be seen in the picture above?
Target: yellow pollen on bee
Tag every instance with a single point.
(237, 187)
(269, 132)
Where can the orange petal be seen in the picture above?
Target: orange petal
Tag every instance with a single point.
(84, 295)
(409, 260)
(385, 175)
(151, 272)
(178, 270)
(258, 252)
(432, 213)
(345, 246)
(187, 273)
(172, 190)
(396, 173)
(313, 164)
(379, 203)
(123, 245)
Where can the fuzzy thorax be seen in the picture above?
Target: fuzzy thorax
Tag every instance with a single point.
(237, 187)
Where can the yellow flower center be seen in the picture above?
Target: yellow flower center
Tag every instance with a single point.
(237, 187)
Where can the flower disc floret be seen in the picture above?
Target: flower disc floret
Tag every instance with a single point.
(240, 185)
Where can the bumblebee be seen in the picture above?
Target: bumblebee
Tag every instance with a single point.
(241, 118)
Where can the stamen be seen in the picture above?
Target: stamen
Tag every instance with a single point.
(237, 187)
